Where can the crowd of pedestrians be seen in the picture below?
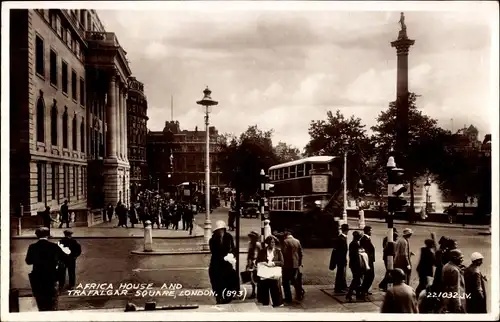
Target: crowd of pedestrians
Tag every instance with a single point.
(445, 284)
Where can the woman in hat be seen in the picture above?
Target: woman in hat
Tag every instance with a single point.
(254, 248)
(222, 275)
(271, 256)
(475, 285)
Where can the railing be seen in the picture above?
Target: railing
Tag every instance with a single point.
(107, 37)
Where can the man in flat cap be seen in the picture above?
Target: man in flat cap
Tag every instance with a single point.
(69, 262)
(45, 257)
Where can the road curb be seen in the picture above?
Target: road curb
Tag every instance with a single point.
(111, 237)
(192, 251)
(430, 224)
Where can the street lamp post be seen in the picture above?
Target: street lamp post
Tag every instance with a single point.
(207, 102)
(263, 188)
(427, 186)
(344, 213)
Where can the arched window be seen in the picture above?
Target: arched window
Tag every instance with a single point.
(65, 128)
(40, 120)
(73, 132)
(82, 135)
(53, 124)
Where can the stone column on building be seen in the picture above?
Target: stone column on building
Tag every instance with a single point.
(125, 124)
(111, 111)
(119, 122)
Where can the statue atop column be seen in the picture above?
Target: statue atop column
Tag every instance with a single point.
(402, 32)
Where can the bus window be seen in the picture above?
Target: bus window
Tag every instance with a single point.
(300, 170)
(298, 205)
(293, 172)
(285, 204)
(279, 171)
(279, 205)
(307, 169)
(285, 173)
(291, 204)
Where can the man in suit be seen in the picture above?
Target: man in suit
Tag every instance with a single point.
(475, 285)
(366, 243)
(338, 259)
(45, 257)
(292, 256)
(402, 254)
(188, 217)
(70, 260)
(425, 267)
(64, 214)
(400, 298)
(46, 218)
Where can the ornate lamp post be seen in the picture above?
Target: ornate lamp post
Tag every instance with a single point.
(427, 186)
(207, 102)
(344, 213)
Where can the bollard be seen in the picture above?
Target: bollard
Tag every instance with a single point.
(361, 219)
(148, 237)
(267, 228)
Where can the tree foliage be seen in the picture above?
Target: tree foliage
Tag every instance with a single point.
(328, 137)
(285, 152)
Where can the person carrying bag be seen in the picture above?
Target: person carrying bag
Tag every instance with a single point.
(269, 264)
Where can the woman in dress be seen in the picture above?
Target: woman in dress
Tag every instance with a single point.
(222, 275)
(271, 257)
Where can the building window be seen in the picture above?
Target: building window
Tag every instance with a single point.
(65, 77)
(82, 136)
(40, 56)
(53, 125)
(74, 131)
(53, 67)
(40, 120)
(65, 128)
(82, 92)
(73, 85)
(55, 177)
(74, 180)
(65, 181)
(82, 180)
(40, 181)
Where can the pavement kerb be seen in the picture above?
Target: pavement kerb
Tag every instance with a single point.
(428, 224)
(112, 237)
(191, 251)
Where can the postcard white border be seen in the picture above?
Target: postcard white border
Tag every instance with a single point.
(487, 8)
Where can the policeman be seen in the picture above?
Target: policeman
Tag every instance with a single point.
(45, 257)
(69, 262)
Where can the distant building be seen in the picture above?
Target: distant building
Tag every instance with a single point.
(137, 107)
(181, 154)
(468, 139)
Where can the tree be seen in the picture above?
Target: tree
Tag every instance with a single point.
(286, 153)
(424, 143)
(241, 160)
(327, 138)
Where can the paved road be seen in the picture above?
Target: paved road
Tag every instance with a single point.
(110, 261)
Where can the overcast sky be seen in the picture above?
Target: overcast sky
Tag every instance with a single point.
(282, 69)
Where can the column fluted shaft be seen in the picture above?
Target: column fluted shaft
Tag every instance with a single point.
(111, 112)
(118, 122)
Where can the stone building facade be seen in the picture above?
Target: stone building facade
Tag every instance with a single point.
(181, 154)
(137, 107)
(67, 111)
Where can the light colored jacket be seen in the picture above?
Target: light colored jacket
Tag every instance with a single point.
(400, 298)
(452, 284)
(292, 252)
(402, 254)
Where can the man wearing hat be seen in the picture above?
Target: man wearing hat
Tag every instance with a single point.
(453, 284)
(64, 214)
(69, 262)
(292, 257)
(338, 259)
(45, 257)
(402, 254)
(475, 285)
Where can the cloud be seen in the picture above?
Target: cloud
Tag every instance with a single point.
(282, 69)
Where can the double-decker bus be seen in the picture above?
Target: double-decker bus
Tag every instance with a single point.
(305, 199)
